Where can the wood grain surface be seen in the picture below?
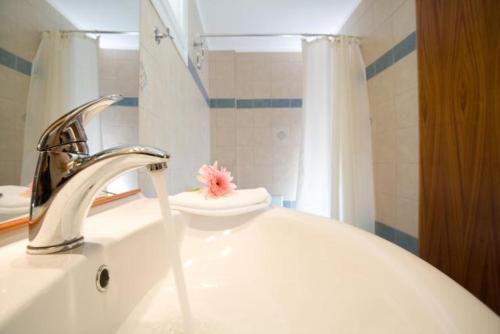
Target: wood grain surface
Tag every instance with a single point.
(458, 45)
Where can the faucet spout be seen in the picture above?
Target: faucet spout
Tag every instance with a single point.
(67, 180)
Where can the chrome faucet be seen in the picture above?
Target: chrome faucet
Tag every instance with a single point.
(67, 178)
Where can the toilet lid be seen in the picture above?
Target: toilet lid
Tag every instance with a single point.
(12, 199)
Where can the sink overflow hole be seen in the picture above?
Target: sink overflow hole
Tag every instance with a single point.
(102, 278)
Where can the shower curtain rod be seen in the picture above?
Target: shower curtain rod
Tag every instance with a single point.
(291, 35)
(102, 32)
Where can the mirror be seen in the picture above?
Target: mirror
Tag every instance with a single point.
(50, 64)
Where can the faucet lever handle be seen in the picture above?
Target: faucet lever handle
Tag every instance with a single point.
(69, 128)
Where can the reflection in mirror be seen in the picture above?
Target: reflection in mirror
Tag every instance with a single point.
(49, 65)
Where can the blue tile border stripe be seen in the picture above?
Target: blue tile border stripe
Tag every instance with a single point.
(21, 65)
(222, 103)
(399, 51)
(255, 103)
(127, 101)
(402, 239)
(14, 62)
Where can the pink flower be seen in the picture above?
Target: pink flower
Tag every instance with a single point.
(217, 181)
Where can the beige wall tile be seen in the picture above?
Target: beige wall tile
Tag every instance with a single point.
(385, 210)
(385, 176)
(246, 176)
(244, 89)
(263, 155)
(262, 136)
(281, 136)
(213, 118)
(285, 180)
(263, 176)
(262, 118)
(223, 87)
(407, 181)
(225, 155)
(245, 136)
(405, 73)
(383, 117)
(280, 89)
(281, 117)
(382, 38)
(258, 149)
(296, 135)
(226, 118)
(407, 216)
(280, 71)
(383, 9)
(244, 156)
(286, 155)
(408, 145)
(244, 118)
(14, 86)
(404, 20)
(384, 147)
(381, 87)
(262, 69)
(261, 89)
(406, 105)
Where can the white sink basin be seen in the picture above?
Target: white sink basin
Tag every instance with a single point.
(276, 271)
(57, 293)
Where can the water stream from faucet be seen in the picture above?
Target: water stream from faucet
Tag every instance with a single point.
(159, 182)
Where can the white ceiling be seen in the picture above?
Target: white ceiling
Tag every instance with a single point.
(116, 15)
(271, 16)
(218, 16)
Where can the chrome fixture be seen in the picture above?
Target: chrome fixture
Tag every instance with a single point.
(199, 51)
(103, 32)
(67, 178)
(156, 167)
(287, 35)
(199, 42)
(160, 35)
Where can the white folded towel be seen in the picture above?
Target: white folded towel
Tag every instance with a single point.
(239, 202)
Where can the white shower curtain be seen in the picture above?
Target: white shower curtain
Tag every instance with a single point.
(64, 76)
(336, 170)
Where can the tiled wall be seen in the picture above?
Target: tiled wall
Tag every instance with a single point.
(119, 74)
(255, 118)
(388, 45)
(173, 104)
(21, 24)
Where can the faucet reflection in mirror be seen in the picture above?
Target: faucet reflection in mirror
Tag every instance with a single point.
(67, 178)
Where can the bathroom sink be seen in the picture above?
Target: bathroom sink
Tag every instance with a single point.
(281, 271)
(57, 293)
(273, 271)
